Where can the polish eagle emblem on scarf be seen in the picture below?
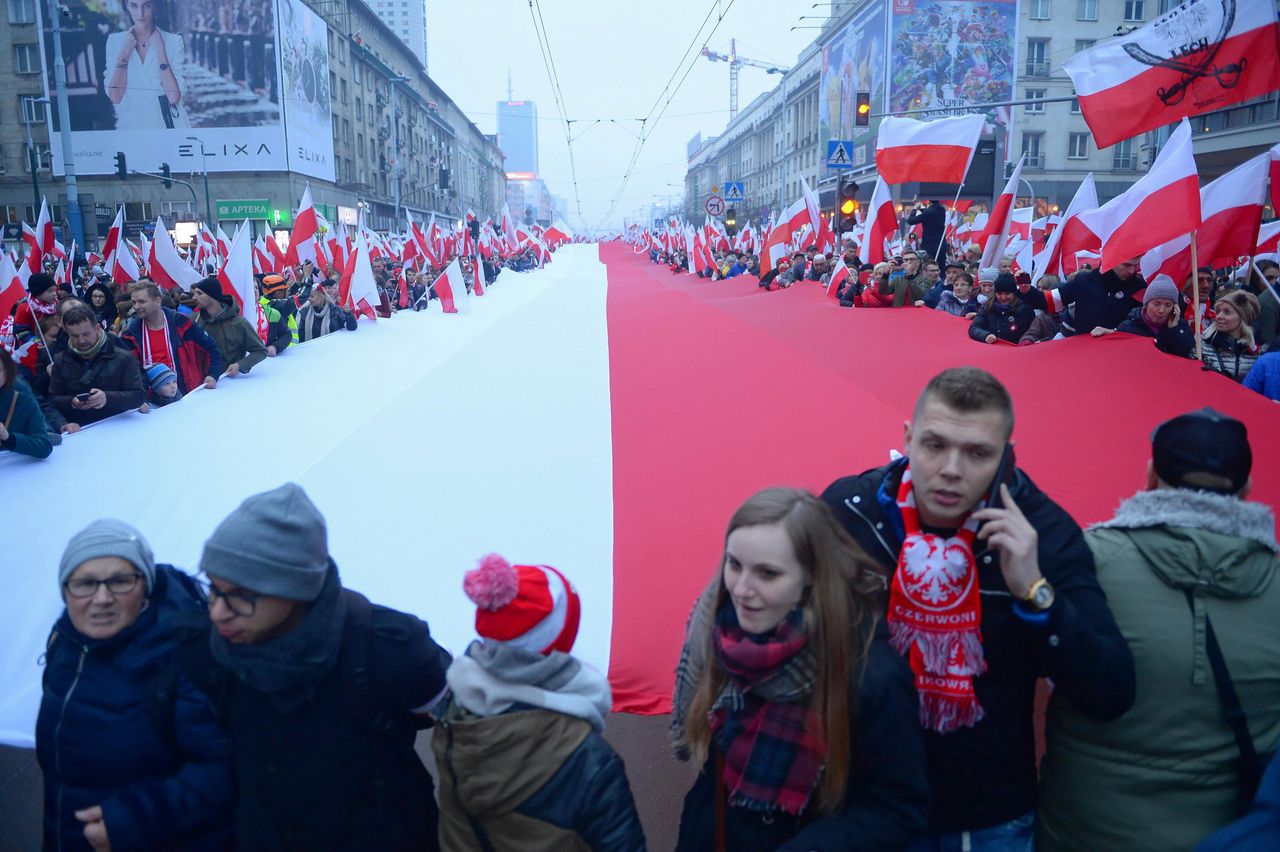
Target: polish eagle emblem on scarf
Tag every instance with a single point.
(936, 576)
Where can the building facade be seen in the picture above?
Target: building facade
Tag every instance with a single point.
(408, 19)
(777, 137)
(428, 154)
(518, 135)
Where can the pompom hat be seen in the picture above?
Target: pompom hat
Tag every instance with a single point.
(532, 607)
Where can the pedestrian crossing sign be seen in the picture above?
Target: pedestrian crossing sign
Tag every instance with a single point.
(733, 191)
(840, 153)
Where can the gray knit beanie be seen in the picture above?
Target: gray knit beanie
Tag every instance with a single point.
(108, 537)
(1161, 287)
(275, 544)
(988, 273)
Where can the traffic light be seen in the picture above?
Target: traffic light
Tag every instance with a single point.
(731, 222)
(122, 168)
(862, 111)
(166, 175)
(846, 204)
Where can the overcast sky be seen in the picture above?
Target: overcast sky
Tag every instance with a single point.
(613, 60)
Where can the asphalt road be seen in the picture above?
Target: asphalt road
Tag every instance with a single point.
(658, 783)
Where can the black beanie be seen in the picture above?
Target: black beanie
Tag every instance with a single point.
(1006, 283)
(40, 282)
(211, 287)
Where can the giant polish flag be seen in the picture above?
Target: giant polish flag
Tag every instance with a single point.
(306, 229)
(1059, 254)
(1163, 204)
(996, 236)
(236, 277)
(1231, 208)
(881, 223)
(1197, 57)
(168, 269)
(938, 150)
(451, 288)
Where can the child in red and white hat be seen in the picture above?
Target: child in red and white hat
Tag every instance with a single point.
(518, 742)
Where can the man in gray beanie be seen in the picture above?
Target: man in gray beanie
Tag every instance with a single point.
(323, 692)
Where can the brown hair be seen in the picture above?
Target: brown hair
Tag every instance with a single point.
(148, 287)
(840, 614)
(77, 315)
(968, 390)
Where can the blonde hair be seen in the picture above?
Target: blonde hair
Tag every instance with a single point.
(1246, 307)
(840, 615)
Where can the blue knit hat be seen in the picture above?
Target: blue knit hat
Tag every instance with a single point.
(158, 375)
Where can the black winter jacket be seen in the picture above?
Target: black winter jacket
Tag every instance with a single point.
(986, 775)
(1007, 324)
(1178, 340)
(310, 327)
(887, 798)
(1099, 300)
(330, 776)
(933, 225)
(112, 370)
(160, 769)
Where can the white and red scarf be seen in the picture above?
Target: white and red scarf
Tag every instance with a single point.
(935, 617)
(148, 358)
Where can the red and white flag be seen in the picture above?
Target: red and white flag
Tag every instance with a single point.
(1059, 254)
(938, 150)
(1195, 58)
(236, 277)
(477, 276)
(357, 290)
(12, 290)
(224, 245)
(306, 229)
(168, 269)
(451, 289)
(1275, 179)
(778, 244)
(1231, 210)
(1268, 241)
(121, 265)
(839, 275)
(1163, 204)
(881, 224)
(995, 238)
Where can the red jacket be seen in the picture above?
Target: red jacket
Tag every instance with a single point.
(196, 352)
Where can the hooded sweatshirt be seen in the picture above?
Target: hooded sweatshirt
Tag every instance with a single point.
(1164, 775)
(521, 759)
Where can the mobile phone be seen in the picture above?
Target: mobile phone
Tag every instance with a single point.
(84, 397)
(1004, 476)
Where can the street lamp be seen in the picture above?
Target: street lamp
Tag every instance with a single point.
(31, 147)
(204, 164)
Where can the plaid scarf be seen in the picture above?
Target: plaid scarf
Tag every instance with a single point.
(773, 753)
(935, 615)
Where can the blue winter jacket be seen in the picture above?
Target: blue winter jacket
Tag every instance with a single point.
(120, 728)
(1264, 376)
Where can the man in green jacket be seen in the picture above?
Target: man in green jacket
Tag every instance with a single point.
(241, 347)
(1186, 558)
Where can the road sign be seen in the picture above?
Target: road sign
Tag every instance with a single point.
(840, 154)
(733, 192)
(714, 205)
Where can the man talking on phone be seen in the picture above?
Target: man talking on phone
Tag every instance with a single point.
(991, 587)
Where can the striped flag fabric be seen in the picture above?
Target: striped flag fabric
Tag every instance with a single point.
(939, 150)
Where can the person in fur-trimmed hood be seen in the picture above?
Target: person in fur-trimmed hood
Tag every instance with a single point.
(518, 745)
(1189, 568)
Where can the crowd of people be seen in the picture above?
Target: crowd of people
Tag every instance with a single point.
(1239, 315)
(86, 350)
(859, 673)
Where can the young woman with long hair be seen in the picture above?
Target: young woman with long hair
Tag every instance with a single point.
(803, 717)
(1228, 344)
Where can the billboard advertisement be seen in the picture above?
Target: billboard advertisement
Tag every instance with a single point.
(196, 84)
(853, 61)
(304, 74)
(952, 53)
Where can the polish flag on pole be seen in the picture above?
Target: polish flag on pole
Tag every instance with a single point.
(357, 290)
(168, 269)
(995, 238)
(778, 244)
(882, 223)
(477, 275)
(939, 150)
(302, 243)
(1163, 204)
(236, 277)
(12, 290)
(1059, 254)
(1152, 77)
(1268, 241)
(120, 263)
(509, 229)
(839, 275)
(1275, 178)
(1231, 208)
(451, 288)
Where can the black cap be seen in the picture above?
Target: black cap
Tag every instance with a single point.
(40, 282)
(1205, 442)
(1006, 283)
(211, 287)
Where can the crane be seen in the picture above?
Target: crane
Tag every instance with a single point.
(735, 62)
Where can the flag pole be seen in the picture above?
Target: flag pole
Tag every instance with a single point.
(954, 202)
(1195, 295)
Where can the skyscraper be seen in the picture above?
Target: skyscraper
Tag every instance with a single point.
(518, 135)
(408, 19)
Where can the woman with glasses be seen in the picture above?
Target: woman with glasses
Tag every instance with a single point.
(131, 753)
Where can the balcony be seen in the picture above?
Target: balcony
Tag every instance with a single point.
(1037, 69)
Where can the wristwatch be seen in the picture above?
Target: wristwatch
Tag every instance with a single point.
(1040, 595)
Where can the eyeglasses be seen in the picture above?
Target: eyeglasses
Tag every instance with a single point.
(120, 584)
(240, 603)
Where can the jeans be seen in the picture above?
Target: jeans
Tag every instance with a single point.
(1017, 835)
